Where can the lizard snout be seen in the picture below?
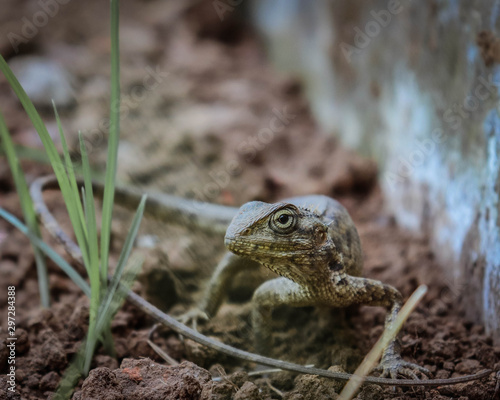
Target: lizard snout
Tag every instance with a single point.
(228, 240)
(230, 237)
(231, 243)
(233, 238)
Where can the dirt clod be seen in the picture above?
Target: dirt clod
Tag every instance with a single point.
(22, 342)
(49, 381)
(101, 383)
(145, 380)
(238, 378)
(249, 391)
(468, 367)
(200, 354)
(217, 391)
(52, 351)
(370, 392)
(311, 387)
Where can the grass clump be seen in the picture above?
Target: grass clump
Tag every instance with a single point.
(105, 299)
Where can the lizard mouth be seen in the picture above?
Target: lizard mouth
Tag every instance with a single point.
(236, 245)
(241, 246)
(230, 242)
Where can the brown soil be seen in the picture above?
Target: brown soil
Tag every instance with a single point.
(197, 135)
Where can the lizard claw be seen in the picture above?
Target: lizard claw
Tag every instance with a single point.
(395, 367)
(192, 317)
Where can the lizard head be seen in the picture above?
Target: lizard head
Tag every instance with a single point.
(282, 236)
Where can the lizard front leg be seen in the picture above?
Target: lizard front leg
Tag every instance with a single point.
(269, 295)
(216, 290)
(354, 290)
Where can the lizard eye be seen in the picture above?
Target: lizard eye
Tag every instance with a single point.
(283, 221)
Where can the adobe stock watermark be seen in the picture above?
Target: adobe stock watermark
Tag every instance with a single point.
(11, 338)
(379, 20)
(31, 26)
(222, 7)
(248, 150)
(453, 116)
(95, 138)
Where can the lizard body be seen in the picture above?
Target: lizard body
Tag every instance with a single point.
(213, 218)
(312, 243)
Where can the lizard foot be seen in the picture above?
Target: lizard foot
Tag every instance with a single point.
(395, 367)
(192, 317)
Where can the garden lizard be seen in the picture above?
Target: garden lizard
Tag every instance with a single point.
(311, 241)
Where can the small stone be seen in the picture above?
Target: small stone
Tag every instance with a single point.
(44, 81)
(147, 241)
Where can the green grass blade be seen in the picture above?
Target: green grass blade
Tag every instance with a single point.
(41, 271)
(112, 298)
(70, 169)
(124, 255)
(27, 209)
(49, 252)
(93, 248)
(90, 346)
(84, 201)
(51, 150)
(111, 307)
(114, 132)
(90, 216)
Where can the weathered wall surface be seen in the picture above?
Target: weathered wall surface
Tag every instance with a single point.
(414, 85)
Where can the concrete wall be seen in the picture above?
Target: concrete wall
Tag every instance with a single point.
(414, 85)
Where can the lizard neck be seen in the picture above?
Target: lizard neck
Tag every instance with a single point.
(307, 274)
